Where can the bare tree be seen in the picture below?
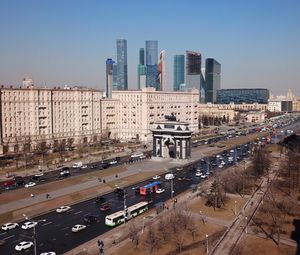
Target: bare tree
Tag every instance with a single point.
(152, 241)
(261, 162)
(163, 229)
(42, 149)
(134, 234)
(216, 197)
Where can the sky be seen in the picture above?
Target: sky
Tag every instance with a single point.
(60, 42)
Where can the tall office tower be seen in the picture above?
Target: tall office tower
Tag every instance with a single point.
(115, 76)
(151, 64)
(193, 70)
(142, 56)
(161, 68)
(178, 72)
(202, 86)
(122, 78)
(141, 69)
(109, 77)
(212, 79)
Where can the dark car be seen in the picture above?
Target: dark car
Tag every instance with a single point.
(90, 219)
(19, 180)
(100, 200)
(35, 178)
(120, 192)
(105, 165)
(105, 207)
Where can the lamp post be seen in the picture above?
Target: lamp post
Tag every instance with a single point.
(235, 207)
(246, 218)
(125, 206)
(34, 233)
(206, 243)
(143, 224)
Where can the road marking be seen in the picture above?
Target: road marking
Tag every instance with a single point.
(71, 210)
(41, 244)
(65, 228)
(78, 212)
(3, 234)
(8, 237)
(47, 223)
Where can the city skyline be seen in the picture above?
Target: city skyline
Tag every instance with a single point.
(57, 43)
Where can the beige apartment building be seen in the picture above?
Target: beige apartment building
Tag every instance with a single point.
(137, 111)
(31, 115)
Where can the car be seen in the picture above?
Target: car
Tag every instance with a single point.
(29, 224)
(23, 245)
(179, 169)
(113, 162)
(160, 190)
(63, 208)
(203, 176)
(48, 253)
(94, 166)
(156, 177)
(78, 228)
(77, 165)
(64, 173)
(30, 184)
(142, 157)
(90, 218)
(169, 176)
(105, 207)
(8, 226)
(84, 167)
(198, 174)
(137, 155)
(39, 173)
(100, 200)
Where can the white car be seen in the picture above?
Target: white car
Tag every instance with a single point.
(156, 177)
(137, 155)
(203, 176)
(113, 162)
(78, 228)
(160, 190)
(84, 167)
(8, 226)
(198, 173)
(23, 246)
(142, 157)
(39, 173)
(30, 184)
(63, 208)
(77, 165)
(48, 253)
(29, 224)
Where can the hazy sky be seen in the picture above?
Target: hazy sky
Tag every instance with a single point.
(61, 42)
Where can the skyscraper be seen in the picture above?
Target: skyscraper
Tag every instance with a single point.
(161, 68)
(202, 86)
(212, 79)
(115, 76)
(193, 70)
(141, 69)
(122, 76)
(178, 72)
(151, 64)
(109, 77)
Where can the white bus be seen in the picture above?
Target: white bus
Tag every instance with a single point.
(118, 218)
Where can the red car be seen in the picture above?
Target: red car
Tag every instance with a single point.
(105, 208)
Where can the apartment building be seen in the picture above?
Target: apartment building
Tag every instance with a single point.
(30, 115)
(139, 109)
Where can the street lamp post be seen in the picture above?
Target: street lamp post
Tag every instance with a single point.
(125, 206)
(143, 224)
(206, 243)
(246, 218)
(34, 233)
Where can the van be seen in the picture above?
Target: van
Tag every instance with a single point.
(169, 176)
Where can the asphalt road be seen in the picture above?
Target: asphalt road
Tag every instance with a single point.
(55, 233)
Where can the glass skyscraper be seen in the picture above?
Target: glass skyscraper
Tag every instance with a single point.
(178, 72)
(141, 69)
(142, 56)
(122, 76)
(109, 77)
(212, 79)
(239, 96)
(151, 64)
(193, 70)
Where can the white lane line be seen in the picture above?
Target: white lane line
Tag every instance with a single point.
(2, 234)
(65, 228)
(47, 223)
(78, 212)
(8, 237)
(71, 210)
(41, 244)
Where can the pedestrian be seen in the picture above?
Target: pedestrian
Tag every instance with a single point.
(47, 195)
(99, 179)
(32, 196)
(116, 175)
(104, 181)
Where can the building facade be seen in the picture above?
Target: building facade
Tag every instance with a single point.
(178, 70)
(162, 70)
(239, 96)
(122, 72)
(151, 64)
(192, 70)
(109, 77)
(138, 110)
(33, 115)
(212, 79)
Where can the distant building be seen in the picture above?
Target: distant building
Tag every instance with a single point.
(178, 72)
(239, 96)
(192, 70)
(212, 80)
(151, 64)
(115, 76)
(161, 68)
(122, 75)
(109, 77)
(27, 82)
(279, 105)
(141, 69)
